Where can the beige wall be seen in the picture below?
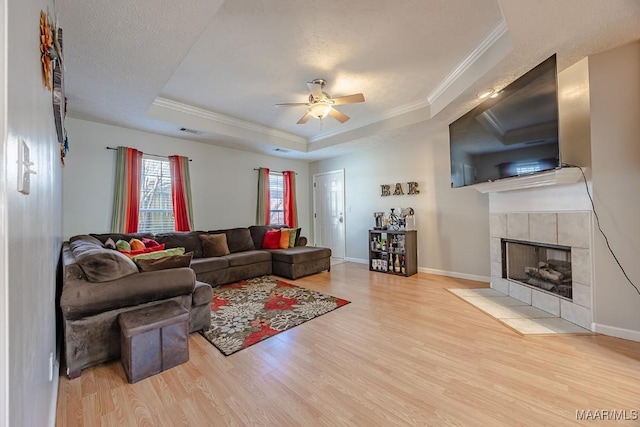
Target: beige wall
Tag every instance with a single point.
(453, 224)
(615, 143)
(32, 225)
(223, 182)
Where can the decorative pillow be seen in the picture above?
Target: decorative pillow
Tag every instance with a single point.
(271, 239)
(131, 254)
(123, 245)
(149, 243)
(284, 238)
(102, 265)
(239, 240)
(110, 244)
(298, 235)
(214, 245)
(165, 263)
(159, 254)
(136, 244)
(293, 233)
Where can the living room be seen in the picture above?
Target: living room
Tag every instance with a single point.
(453, 230)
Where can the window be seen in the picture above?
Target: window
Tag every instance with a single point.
(156, 207)
(276, 202)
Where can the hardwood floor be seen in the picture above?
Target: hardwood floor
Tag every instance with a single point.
(405, 352)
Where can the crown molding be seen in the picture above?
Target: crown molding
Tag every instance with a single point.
(385, 115)
(500, 30)
(226, 120)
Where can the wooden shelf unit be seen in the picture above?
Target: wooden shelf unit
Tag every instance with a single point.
(394, 245)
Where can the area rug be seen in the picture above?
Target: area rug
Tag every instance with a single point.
(247, 312)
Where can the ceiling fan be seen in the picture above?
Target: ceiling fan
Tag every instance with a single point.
(321, 105)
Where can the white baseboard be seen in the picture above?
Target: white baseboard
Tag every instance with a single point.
(357, 260)
(454, 274)
(54, 397)
(627, 334)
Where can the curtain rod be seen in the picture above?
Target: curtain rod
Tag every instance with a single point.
(146, 154)
(257, 169)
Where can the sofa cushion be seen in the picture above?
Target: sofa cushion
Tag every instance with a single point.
(164, 263)
(239, 239)
(202, 265)
(123, 245)
(159, 254)
(284, 238)
(257, 233)
(81, 299)
(100, 264)
(300, 254)
(214, 245)
(248, 257)
(271, 239)
(189, 240)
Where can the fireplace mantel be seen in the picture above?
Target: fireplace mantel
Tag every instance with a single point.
(568, 175)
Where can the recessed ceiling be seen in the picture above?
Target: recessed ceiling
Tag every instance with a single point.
(218, 67)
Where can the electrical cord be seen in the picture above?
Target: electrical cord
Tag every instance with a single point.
(606, 240)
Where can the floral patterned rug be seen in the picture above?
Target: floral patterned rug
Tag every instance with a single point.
(250, 311)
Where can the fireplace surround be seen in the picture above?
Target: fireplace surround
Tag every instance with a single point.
(567, 231)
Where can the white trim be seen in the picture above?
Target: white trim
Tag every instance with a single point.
(495, 35)
(221, 118)
(4, 275)
(627, 334)
(344, 213)
(356, 260)
(454, 274)
(54, 396)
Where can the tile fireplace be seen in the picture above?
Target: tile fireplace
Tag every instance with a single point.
(544, 259)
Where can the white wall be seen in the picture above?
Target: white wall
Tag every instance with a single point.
(223, 182)
(614, 78)
(453, 224)
(33, 222)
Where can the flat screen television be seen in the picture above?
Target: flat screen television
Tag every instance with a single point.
(513, 134)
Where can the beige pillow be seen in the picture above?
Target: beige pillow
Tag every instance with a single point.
(214, 245)
(164, 263)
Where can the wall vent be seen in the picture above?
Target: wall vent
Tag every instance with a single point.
(281, 150)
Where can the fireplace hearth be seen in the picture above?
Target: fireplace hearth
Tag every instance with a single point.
(541, 266)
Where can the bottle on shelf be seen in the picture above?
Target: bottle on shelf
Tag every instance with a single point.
(378, 246)
(396, 265)
(403, 266)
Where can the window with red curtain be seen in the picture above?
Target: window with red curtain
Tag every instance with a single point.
(290, 207)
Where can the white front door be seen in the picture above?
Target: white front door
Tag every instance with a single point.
(328, 212)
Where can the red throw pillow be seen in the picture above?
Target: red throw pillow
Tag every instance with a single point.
(143, 251)
(271, 239)
(149, 243)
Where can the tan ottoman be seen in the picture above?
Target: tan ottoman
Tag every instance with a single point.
(153, 339)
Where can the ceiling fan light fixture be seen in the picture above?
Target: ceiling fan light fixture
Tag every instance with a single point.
(319, 110)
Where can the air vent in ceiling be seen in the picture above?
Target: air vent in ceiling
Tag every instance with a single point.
(192, 131)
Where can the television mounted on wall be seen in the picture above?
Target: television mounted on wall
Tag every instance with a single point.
(513, 134)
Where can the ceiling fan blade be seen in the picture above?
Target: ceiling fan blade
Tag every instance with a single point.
(316, 89)
(349, 99)
(338, 115)
(304, 119)
(292, 104)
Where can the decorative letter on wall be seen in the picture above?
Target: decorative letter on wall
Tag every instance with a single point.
(386, 190)
(413, 188)
(398, 191)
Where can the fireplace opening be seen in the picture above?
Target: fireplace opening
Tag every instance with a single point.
(542, 266)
